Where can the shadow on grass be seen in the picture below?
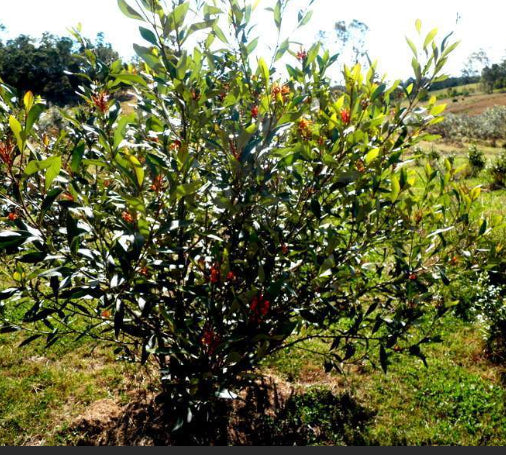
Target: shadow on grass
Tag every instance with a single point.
(266, 414)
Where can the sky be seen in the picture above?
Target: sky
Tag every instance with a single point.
(477, 24)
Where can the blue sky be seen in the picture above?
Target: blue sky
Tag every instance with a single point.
(480, 24)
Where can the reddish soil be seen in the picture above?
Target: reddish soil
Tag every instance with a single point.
(475, 104)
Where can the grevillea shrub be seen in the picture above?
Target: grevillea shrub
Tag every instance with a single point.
(239, 207)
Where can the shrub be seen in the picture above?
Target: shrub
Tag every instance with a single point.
(476, 160)
(498, 170)
(233, 213)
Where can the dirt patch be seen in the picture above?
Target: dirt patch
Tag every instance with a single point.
(476, 104)
(266, 413)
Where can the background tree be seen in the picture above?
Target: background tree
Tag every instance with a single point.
(46, 66)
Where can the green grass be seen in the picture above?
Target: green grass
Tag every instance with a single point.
(41, 390)
(457, 400)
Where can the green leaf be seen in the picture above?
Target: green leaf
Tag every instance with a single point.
(128, 11)
(412, 46)
(138, 169)
(35, 166)
(53, 171)
(49, 199)
(305, 19)
(264, 70)
(277, 14)
(430, 36)
(16, 129)
(148, 35)
(188, 188)
(77, 156)
(145, 54)
(396, 188)
(119, 133)
(483, 228)
(33, 116)
(418, 25)
(383, 358)
(28, 101)
(179, 14)
(219, 33)
(252, 46)
(10, 239)
(129, 79)
(372, 155)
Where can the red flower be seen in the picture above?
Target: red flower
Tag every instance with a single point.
(210, 339)
(231, 276)
(259, 307)
(175, 145)
(157, 184)
(12, 216)
(127, 217)
(215, 274)
(345, 116)
(254, 111)
(301, 55)
(6, 152)
(101, 101)
(144, 271)
(284, 248)
(67, 197)
(413, 276)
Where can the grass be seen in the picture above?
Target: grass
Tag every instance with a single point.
(458, 400)
(43, 391)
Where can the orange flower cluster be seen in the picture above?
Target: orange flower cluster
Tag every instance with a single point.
(360, 166)
(304, 128)
(175, 145)
(157, 184)
(254, 111)
(12, 216)
(127, 217)
(101, 101)
(278, 91)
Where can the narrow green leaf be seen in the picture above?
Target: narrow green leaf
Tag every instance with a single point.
(430, 36)
(148, 35)
(128, 11)
(412, 46)
(305, 19)
(33, 116)
(77, 156)
(396, 188)
(372, 155)
(17, 130)
(53, 171)
(264, 70)
(277, 14)
(179, 14)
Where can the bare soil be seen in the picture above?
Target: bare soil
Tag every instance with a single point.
(248, 420)
(475, 104)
